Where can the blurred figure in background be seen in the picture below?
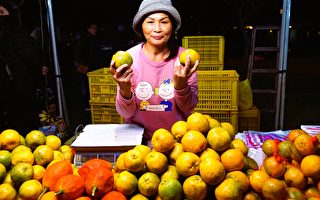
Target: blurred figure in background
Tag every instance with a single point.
(86, 51)
(21, 66)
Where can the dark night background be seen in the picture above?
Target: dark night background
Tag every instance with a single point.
(203, 17)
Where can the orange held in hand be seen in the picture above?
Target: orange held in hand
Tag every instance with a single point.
(194, 56)
(121, 58)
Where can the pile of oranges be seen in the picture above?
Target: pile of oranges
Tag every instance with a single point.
(291, 169)
(197, 159)
(23, 162)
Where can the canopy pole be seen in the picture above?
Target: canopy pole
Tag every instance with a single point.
(284, 40)
(60, 94)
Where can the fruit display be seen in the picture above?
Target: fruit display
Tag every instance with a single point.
(199, 158)
(24, 163)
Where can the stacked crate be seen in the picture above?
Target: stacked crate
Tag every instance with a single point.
(103, 91)
(218, 89)
(249, 119)
(210, 48)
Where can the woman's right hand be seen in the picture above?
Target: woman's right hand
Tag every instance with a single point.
(122, 75)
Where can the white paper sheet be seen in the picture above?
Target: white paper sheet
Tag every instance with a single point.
(103, 135)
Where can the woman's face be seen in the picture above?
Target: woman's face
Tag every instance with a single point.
(157, 29)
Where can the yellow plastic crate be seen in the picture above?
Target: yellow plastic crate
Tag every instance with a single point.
(104, 113)
(210, 48)
(223, 116)
(102, 87)
(206, 67)
(249, 119)
(218, 90)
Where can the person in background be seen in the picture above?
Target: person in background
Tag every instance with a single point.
(156, 90)
(21, 66)
(86, 51)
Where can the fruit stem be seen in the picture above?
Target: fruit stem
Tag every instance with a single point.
(94, 189)
(43, 192)
(60, 192)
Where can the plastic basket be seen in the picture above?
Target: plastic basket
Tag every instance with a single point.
(206, 67)
(104, 113)
(218, 90)
(223, 116)
(210, 48)
(249, 119)
(102, 87)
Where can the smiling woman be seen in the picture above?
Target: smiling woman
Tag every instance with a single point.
(156, 86)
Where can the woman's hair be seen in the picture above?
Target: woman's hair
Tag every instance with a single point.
(173, 45)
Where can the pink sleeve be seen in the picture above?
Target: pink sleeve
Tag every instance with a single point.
(187, 98)
(125, 107)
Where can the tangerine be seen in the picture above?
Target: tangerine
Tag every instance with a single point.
(295, 193)
(310, 166)
(228, 189)
(212, 121)
(175, 152)
(126, 183)
(139, 197)
(230, 128)
(256, 180)
(232, 160)
(43, 154)
(194, 141)
(209, 152)
(156, 162)
(219, 139)
(241, 178)
(121, 58)
(30, 189)
(133, 160)
(274, 167)
(274, 189)
(148, 184)
(305, 144)
(239, 144)
(53, 141)
(179, 129)
(7, 192)
(194, 188)
(269, 147)
(295, 133)
(192, 54)
(170, 189)
(198, 122)
(212, 171)
(170, 173)
(162, 140)
(295, 178)
(187, 164)
(35, 138)
(10, 139)
(5, 158)
(144, 149)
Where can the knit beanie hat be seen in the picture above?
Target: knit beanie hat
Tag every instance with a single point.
(7, 5)
(151, 6)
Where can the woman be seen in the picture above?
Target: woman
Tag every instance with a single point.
(156, 90)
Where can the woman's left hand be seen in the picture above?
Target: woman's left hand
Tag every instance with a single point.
(183, 73)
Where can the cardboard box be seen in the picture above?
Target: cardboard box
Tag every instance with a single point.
(105, 141)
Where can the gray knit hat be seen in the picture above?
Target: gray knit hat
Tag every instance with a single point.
(150, 6)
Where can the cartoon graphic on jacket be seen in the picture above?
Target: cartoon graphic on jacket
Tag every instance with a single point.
(155, 102)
